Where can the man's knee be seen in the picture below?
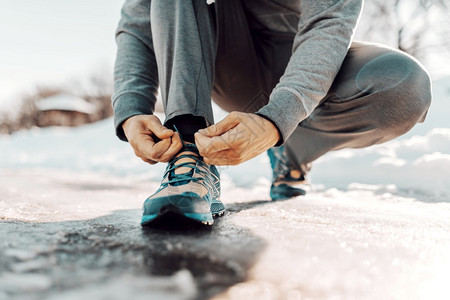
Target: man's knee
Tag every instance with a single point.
(404, 90)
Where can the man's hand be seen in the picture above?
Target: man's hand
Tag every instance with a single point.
(236, 139)
(151, 141)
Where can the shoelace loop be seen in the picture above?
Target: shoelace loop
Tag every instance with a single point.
(175, 178)
(186, 177)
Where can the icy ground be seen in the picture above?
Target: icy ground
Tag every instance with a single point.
(75, 235)
(376, 224)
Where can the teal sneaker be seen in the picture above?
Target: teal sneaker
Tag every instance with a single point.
(287, 182)
(190, 190)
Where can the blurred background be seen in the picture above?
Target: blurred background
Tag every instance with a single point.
(57, 50)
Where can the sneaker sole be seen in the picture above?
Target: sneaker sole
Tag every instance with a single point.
(170, 213)
(284, 192)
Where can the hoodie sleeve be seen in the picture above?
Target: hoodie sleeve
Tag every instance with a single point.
(325, 31)
(135, 69)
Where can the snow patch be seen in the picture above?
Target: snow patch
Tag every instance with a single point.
(418, 163)
(179, 286)
(67, 103)
(24, 282)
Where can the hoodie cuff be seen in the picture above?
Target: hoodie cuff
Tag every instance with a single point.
(286, 111)
(128, 105)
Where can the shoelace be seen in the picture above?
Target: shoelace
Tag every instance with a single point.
(183, 177)
(178, 179)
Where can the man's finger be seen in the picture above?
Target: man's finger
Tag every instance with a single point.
(152, 150)
(160, 148)
(141, 142)
(201, 141)
(230, 121)
(174, 148)
(158, 129)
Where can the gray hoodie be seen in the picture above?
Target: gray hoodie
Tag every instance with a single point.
(324, 32)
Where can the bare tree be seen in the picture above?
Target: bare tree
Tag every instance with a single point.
(418, 27)
(96, 88)
(100, 90)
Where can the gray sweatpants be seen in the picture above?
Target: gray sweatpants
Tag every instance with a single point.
(378, 94)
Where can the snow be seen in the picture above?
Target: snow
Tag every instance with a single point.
(67, 103)
(10, 106)
(179, 286)
(73, 235)
(417, 162)
(24, 282)
(369, 207)
(375, 221)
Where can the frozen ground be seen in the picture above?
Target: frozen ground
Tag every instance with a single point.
(75, 235)
(376, 224)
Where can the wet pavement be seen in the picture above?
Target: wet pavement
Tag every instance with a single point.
(71, 235)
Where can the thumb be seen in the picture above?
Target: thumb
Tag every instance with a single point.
(229, 122)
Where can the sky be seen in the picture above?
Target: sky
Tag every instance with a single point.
(50, 41)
